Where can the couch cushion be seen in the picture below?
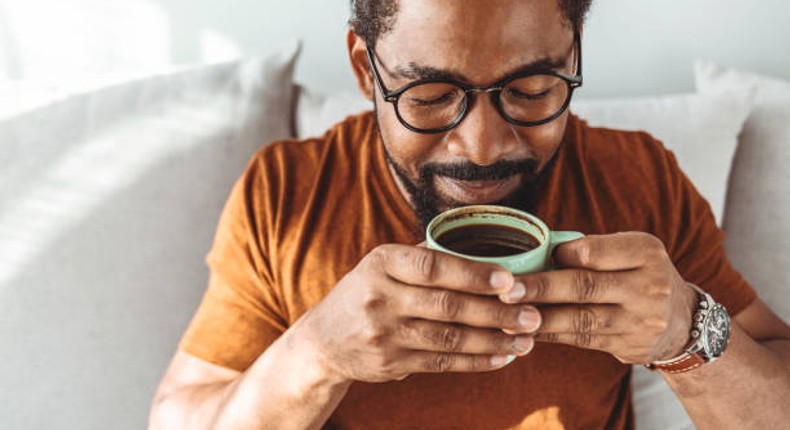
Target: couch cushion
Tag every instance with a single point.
(317, 112)
(108, 204)
(757, 218)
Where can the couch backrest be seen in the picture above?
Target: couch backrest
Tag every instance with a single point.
(108, 204)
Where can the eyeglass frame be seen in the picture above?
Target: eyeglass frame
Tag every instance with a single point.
(572, 81)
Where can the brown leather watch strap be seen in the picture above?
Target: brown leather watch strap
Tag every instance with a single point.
(681, 364)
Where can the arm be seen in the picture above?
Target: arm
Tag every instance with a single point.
(196, 394)
(749, 386)
(622, 294)
(402, 310)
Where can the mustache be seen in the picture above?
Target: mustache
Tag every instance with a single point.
(466, 171)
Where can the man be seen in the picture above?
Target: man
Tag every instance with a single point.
(324, 309)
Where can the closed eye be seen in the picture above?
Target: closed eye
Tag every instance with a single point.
(433, 101)
(528, 96)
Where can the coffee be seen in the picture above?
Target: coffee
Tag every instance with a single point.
(487, 240)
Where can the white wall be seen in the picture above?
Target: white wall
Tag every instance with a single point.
(638, 47)
(632, 47)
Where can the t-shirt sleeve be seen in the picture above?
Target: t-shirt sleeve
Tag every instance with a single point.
(697, 244)
(239, 316)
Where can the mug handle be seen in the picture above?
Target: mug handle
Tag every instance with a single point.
(557, 238)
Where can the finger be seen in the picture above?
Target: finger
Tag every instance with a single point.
(578, 286)
(621, 251)
(430, 268)
(473, 310)
(587, 320)
(441, 362)
(579, 340)
(427, 335)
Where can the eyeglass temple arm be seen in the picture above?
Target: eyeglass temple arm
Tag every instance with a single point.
(385, 93)
(579, 74)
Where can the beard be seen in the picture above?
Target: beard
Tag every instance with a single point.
(426, 201)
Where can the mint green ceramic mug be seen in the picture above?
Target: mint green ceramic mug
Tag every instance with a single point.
(516, 240)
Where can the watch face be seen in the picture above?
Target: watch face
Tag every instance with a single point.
(716, 331)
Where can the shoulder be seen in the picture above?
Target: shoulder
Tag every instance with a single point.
(620, 146)
(631, 159)
(306, 155)
(284, 177)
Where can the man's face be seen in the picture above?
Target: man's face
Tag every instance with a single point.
(485, 159)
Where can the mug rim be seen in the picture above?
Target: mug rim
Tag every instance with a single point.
(487, 209)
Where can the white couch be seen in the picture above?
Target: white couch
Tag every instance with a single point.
(109, 198)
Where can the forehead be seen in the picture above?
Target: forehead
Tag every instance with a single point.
(476, 38)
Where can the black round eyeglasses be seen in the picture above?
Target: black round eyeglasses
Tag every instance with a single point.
(527, 99)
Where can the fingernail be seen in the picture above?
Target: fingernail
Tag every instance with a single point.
(502, 360)
(501, 280)
(522, 344)
(515, 294)
(529, 319)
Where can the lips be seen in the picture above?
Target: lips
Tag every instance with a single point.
(477, 192)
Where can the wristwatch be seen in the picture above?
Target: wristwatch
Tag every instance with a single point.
(710, 332)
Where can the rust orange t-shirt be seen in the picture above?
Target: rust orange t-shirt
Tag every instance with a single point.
(305, 212)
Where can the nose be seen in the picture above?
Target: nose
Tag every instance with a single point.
(483, 137)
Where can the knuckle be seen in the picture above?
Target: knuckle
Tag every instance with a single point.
(386, 365)
(373, 335)
(541, 286)
(583, 340)
(504, 316)
(652, 242)
(660, 287)
(653, 246)
(604, 342)
(551, 337)
(449, 304)
(585, 253)
(373, 300)
(424, 261)
(440, 362)
(450, 338)
(606, 321)
(378, 255)
(587, 287)
(656, 324)
(584, 323)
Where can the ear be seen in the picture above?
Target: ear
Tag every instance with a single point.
(358, 56)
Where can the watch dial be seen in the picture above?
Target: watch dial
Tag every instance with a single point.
(716, 331)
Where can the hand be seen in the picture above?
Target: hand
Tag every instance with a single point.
(406, 309)
(617, 293)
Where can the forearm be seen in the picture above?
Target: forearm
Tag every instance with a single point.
(746, 388)
(284, 389)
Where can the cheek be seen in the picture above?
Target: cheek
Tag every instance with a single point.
(543, 141)
(410, 150)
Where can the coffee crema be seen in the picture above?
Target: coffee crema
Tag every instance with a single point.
(487, 240)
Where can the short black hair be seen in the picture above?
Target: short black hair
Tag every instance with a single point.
(370, 19)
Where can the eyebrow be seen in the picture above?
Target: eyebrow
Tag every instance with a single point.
(417, 72)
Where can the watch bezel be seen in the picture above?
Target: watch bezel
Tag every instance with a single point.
(710, 327)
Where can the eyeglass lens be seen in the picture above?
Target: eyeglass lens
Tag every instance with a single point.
(436, 105)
